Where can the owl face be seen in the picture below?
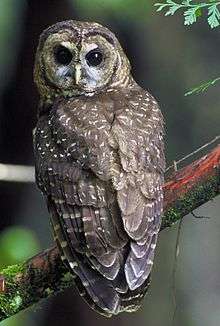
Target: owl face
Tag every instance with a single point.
(76, 58)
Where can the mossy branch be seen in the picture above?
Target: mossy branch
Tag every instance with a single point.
(44, 275)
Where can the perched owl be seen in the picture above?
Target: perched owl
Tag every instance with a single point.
(99, 162)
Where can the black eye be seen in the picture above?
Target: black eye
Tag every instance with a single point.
(94, 58)
(63, 55)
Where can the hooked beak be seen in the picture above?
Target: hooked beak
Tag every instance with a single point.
(78, 73)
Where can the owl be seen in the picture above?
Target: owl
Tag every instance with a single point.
(99, 156)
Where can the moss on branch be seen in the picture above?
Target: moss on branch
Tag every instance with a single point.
(25, 284)
(191, 200)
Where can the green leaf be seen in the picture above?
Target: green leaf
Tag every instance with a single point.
(199, 12)
(203, 87)
(187, 2)
(192, 10)
(160, 6)
(214, 16)
(190, 16)
(172, 10)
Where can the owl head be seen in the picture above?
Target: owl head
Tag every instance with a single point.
(75, 58)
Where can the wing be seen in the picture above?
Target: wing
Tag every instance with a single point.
(83, 215)
(137, 135)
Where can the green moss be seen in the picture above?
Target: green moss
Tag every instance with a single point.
(10, 304)
(11, 301)
(11, 271)
(48, 291)
(67, 279)
(198, 195)
(171, 217)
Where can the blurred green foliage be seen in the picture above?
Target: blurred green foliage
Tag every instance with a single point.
(16, 245)
(15, 321)
(124, 9)
(10, 13)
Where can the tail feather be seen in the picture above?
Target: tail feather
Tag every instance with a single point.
(139, 263)
(109, 272)
(131, 300)
(106, 293)
(93, 287)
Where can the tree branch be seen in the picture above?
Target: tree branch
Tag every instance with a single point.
(44, 275)
(191, 187)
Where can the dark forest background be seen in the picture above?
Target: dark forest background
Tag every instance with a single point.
(168, 59)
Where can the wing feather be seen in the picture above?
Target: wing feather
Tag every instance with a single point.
(138, 179)
(89, 231)
(97, 288)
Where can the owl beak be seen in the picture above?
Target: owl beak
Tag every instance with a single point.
(78, 73)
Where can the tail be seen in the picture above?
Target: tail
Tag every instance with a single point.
(131, 300)
(103, 295)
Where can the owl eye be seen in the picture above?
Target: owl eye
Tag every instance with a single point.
(94, 58)
(63, 55)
